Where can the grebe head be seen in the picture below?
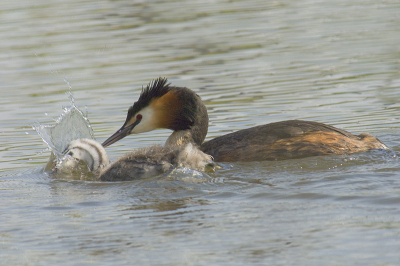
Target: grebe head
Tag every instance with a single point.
(163, 106)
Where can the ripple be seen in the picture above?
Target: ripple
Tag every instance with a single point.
(252, 62)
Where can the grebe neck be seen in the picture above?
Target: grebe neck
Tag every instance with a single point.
(196, 133)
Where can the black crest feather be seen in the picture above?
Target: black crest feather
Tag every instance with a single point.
(191, 114)
(155, 89)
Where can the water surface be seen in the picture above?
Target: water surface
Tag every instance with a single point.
(252, 62)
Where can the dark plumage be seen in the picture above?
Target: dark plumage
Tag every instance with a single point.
(287, 140)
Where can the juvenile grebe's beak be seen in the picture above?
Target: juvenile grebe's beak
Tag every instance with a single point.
(120, 134)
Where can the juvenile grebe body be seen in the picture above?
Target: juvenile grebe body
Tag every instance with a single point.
(181, 110)
(155, 160)
(87, 155)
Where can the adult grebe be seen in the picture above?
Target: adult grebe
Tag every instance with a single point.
(181, 110)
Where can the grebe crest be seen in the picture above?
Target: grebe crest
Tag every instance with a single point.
(163, 106)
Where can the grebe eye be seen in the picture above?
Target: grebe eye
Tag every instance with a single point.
(139, 117)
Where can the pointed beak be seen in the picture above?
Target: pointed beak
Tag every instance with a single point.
(120, 134)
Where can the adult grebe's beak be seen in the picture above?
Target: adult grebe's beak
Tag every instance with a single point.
(120, 134)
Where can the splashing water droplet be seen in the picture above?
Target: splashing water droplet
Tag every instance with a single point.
(72, 124)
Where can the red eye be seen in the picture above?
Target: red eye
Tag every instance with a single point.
(139, 117)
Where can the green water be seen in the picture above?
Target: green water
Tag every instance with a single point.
(252, 62)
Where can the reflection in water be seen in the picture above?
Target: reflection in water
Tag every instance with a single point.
(164, 205)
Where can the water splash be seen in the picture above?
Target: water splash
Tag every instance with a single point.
(72, 124)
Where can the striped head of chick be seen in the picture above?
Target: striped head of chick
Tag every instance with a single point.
(87, 151)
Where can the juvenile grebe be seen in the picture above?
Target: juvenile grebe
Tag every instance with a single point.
(140, 163)
(181, 110)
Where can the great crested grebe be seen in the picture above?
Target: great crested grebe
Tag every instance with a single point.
(181, 110)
